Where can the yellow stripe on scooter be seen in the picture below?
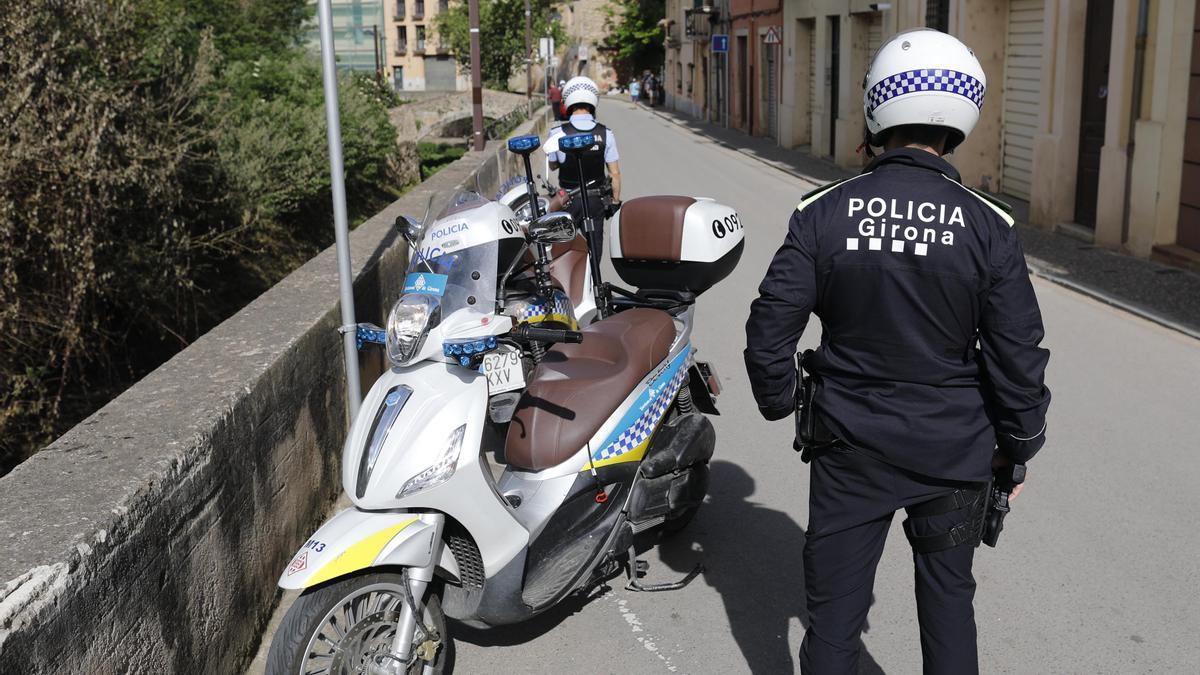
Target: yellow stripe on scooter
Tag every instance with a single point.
(634, 455)
(357, 556)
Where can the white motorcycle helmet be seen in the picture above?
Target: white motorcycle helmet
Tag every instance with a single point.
(923, 76)
(581, 90)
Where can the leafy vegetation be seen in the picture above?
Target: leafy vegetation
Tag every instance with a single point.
(434, 156)
(635, 35)
(503, 22)
(164, 163)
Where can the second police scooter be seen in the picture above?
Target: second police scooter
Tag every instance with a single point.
(492, 513)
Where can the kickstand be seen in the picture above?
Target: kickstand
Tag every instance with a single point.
(638, 568)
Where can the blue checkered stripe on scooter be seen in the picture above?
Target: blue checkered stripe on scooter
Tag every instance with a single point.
(558, 306)
(932, 79)
(638, 433)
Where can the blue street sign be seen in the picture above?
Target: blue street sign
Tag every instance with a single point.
(720, 44)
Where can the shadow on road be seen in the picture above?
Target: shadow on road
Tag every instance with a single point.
(753, 558)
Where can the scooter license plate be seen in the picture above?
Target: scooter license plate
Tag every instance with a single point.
(503, 370)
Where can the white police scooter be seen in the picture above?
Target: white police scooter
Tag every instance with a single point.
(476, 505)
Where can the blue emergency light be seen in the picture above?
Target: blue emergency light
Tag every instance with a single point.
(524, 143)
(463, 349)
(576, 142)
(366, 333)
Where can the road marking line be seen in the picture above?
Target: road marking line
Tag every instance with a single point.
(650, 642)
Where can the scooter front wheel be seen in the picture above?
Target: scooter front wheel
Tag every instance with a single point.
(345, 627)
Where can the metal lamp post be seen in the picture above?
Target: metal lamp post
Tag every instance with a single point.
(528, 60)
(476, 77)
(341, 227)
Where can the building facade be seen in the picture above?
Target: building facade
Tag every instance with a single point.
(395, 38)
(755, 65)
(586, 25)
(359, 35)
(689, 61)
(417, 59)
(1092, 115)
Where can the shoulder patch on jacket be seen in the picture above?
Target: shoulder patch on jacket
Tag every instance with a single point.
(1002, 209)
(816, 194)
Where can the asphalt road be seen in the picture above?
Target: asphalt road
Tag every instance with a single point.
(1098, 569)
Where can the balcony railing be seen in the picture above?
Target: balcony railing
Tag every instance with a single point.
(698, 23)
(401, 48)
(418, 10)
(420, 47)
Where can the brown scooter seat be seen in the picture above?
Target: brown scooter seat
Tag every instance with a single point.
(577, 387)
(569, 265)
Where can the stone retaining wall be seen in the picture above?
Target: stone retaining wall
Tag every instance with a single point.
(148, 538)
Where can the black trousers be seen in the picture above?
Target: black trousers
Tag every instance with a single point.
(596, 211)
(851, 502)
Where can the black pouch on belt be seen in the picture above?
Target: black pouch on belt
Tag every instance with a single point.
(811, 434)
(973, 503)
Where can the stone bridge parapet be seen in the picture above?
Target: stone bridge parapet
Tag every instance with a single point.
(148, 538)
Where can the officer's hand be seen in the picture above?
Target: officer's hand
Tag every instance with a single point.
(1001, 461)
(1012, 496)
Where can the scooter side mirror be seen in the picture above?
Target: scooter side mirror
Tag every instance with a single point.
(574, 143)
(411, 229)
(523, 145)
(553, 228)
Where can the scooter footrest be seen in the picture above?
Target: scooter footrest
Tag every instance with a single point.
(635, 585)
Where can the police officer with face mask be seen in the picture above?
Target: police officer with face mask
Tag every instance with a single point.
(929, 370)
(581, 96)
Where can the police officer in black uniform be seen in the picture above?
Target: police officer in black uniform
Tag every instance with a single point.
(581, 96)
(929, 369)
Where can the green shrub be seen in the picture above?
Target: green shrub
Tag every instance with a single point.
(434, 156)
(165, 161)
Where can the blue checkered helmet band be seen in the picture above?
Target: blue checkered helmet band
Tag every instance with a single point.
(929, 79)
(585, 86)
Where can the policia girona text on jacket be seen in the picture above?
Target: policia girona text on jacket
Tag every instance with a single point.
(929, 371)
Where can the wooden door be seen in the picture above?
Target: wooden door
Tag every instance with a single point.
(743, 56)
(1094, 103)
(1021, 94)
(1187, 234)
(835, 48)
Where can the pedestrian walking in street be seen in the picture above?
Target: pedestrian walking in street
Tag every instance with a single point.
(929, 373)
(648, 91)
(635, 88)
(554, 97)
(582, 96)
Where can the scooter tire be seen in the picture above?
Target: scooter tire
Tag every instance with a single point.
(310, 610)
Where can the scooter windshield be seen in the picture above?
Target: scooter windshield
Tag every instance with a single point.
(457, 258)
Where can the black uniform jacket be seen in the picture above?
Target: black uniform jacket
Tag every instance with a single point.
(929, 358)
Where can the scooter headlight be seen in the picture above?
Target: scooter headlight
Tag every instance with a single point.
(409, 322)
(441, 470)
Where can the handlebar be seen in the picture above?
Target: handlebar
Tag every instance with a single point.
(528, 333)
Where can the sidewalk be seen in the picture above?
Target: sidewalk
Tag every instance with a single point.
(1166, 295)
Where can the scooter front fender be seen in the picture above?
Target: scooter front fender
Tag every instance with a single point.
(354, 540)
